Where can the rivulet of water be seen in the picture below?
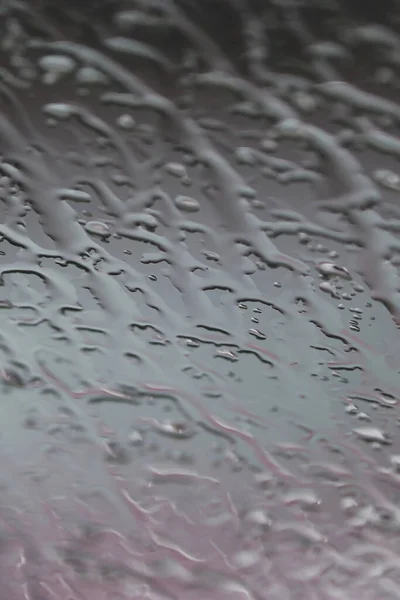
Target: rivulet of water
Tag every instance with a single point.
(199, 300)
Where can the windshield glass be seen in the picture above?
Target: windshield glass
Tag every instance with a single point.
(199, 279)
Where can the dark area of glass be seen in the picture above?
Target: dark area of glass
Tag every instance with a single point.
(199, 300)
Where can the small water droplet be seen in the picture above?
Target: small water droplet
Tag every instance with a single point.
(187, 204)
(330, 269)
(97, 228)
(387, 179)
(372, 434)
(126, 122)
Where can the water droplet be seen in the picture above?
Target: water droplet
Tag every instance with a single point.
(388, 179)
(126, 122)
(329, 269)
(177, 429)
(176, 169)
(187, 204)
(372, 434)
(90, 76)
(55, 66)
(97, 228)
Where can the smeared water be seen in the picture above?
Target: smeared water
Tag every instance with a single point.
(199, 301)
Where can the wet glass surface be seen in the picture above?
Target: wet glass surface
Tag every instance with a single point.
(199, 300)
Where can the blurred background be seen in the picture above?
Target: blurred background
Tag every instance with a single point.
(199, 300)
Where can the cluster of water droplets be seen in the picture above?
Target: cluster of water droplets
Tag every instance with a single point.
(199, 302)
